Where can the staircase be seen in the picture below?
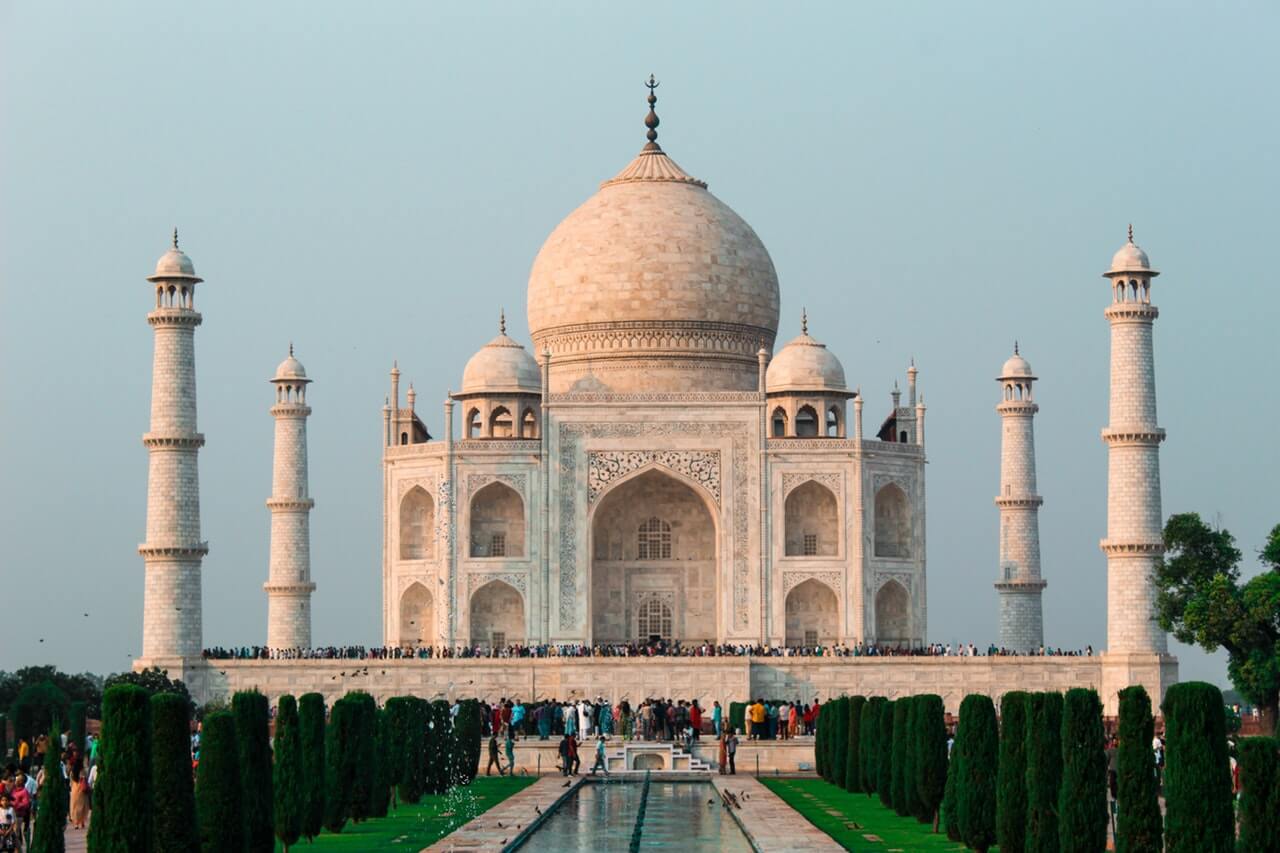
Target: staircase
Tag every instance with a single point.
(654, 757)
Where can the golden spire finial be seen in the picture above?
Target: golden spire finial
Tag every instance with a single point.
(804, 321)
(651, 120)
(1130, 232)
(175, 236)
(290, 349)
(1015, 347)
(502, 321)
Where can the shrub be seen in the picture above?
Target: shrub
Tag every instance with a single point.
(976, 796)
(1197, 775)
(869, 743)
(253, 721)
(311, 738)
(951, 795)
(820, 746)
(385, 747)
(853, 759)
(467, 729)
(910, 770)
(901, 712)
(79, 713)
(51, 818)
(173, 813)
(1011, 780)
(363, 746)
(339, 770)
(122, 799)
(1044, 771)
(1260, 795)
(1082, 797)
(884, 756)
(1139, 824)
(286, 780)
(931, 755)
(839, 749)
(218, 799)
(4, 738)
(37, 707)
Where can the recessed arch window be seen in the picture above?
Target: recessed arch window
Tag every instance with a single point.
(654, 540)
(779, 422)
(893, 522)
(529, 424)
(474, 424)
(653, 620)
(806, 422)
(500, 423)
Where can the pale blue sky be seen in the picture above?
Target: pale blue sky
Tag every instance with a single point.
(372, 181)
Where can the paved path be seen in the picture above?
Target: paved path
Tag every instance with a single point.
(771, 824)
(515, 814)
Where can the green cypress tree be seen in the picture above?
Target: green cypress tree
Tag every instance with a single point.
(218, 799)
(1139, 824)
(411, 734)
(253, 733)
(1197, 775)
(839, 709)
(399, 710)
(884, 758)
(311, 714)
(385, 746)
(1011, 782)
(49, 835)
(852, 761)
(1082, 797)
(910, 771)
(467, 727)
(976, 796)
(4, 739)
(820, 746)
(901, 712)
(286, 780)
(1044, 771)
(122, 799)
(173, 813)
(869, 744)
(363, 761)
(951, 796)
(339, 774)
(1259, 782)
(437, 746)
(78, 711)
(931, 755)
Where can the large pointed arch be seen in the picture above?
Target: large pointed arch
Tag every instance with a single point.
(496, 526)
(417, 525)
(497, 615)
(811, 521)
(813, 614)
(417, 616)
(893, 614)
(893, 522)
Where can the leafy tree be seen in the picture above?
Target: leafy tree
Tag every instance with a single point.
(4, 738)
(884, 758)
(385, 747)
(931, 755)
(978, 738)
(869, 743)
(852, 766)
(839, 709)
(218, 800)
(339, 769)
(1011, 782)
(1082, 798)
(1260, 795)
(901, 712)
(1139, 824)
(286, 780)
(1044, 771)
(78, 710)
(84, 687)
(37, 707)
(1201, 599)
(173, 815)
(1197, 774)
(51, 818)
(154, 680)
(122, 798)
(312, 741)
(467, 728)
(253, 733)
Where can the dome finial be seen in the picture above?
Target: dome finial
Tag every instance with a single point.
(804, 321)
(175, 236)
(502, 321)
(651, 120)
(1130, 232)
(1015, 348)
(291, 349)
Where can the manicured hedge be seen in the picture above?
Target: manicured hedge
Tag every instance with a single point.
(884, 757)
(910, 770)
(901, 713)
(852, 762)
(380, 800)
(311, 713)
(218, 798)
(1082, 797)
(1197, 775)
(340, 758)
(869, 744)
(173, 814)
(122, 798)
(976, 795)
(253, 733)
(839, 749)
(1044, 771)
(467, 731)
(287, 782)
(1139, 823)
(77, 723)
(363, 744)
(930, 749)
(1011, 781)
(1260, 795)
(49, 834)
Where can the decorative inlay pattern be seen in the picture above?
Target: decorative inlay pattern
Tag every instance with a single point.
(655, 397)
(427, 484)
(605, 466)
(791, 580)
(476, 482)
(832, 481)
(906, 483)
(517, 580)
(904, 578)
(505, 446)
(571, 435)
(406, 581)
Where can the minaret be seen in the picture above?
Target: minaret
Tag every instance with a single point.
(172, 554)
(1020, 585)
(289, 585)
(1135, 539)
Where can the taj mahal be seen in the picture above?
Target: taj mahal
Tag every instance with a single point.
(654, 465)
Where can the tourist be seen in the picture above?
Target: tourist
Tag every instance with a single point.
(517, 717)
(584, 718)
(575, 762)
(793, 719)
(646, 720)
(565, 761)
(717, 716)
(601, 762)
(758, 717)
(511, 749)
(493, 756)
(723, 758)
(731, 750)
(20, 798)
(542, 719)
(506, 712)
(695, 719)
(78, 813)
(570, 719)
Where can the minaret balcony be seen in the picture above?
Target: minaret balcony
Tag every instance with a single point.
(195, 551)
(1134, 312)
(1112, 547)
(1140, 435)
(1019, 502)
(287, 504)
(174, 317)
(188, 441)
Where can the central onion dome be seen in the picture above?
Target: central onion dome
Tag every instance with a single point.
(653, 284)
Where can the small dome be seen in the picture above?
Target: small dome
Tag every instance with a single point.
(1016, 367)
(501, 366)
(805, 365)
(291, 368)
(1130, 259)
(174, 264)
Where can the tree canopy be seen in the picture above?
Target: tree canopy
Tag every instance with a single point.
(1202, 601)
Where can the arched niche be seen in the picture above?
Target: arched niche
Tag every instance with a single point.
(497, 615)
(417, 525)
(813, 615)
(811, 521)
(497, 522)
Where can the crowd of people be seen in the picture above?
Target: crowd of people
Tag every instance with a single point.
(627, 650)
(24, 780)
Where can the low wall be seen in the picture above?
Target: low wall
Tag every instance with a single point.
(706, 679)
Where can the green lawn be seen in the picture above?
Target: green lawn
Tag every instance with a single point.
(814, 798)
(410, 828)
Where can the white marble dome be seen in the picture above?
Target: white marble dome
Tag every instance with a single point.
(501, 366)
(654, 282)
(290, 368)
(1016, 367)
(174, 264)
(804, 364)
(1130, 258)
